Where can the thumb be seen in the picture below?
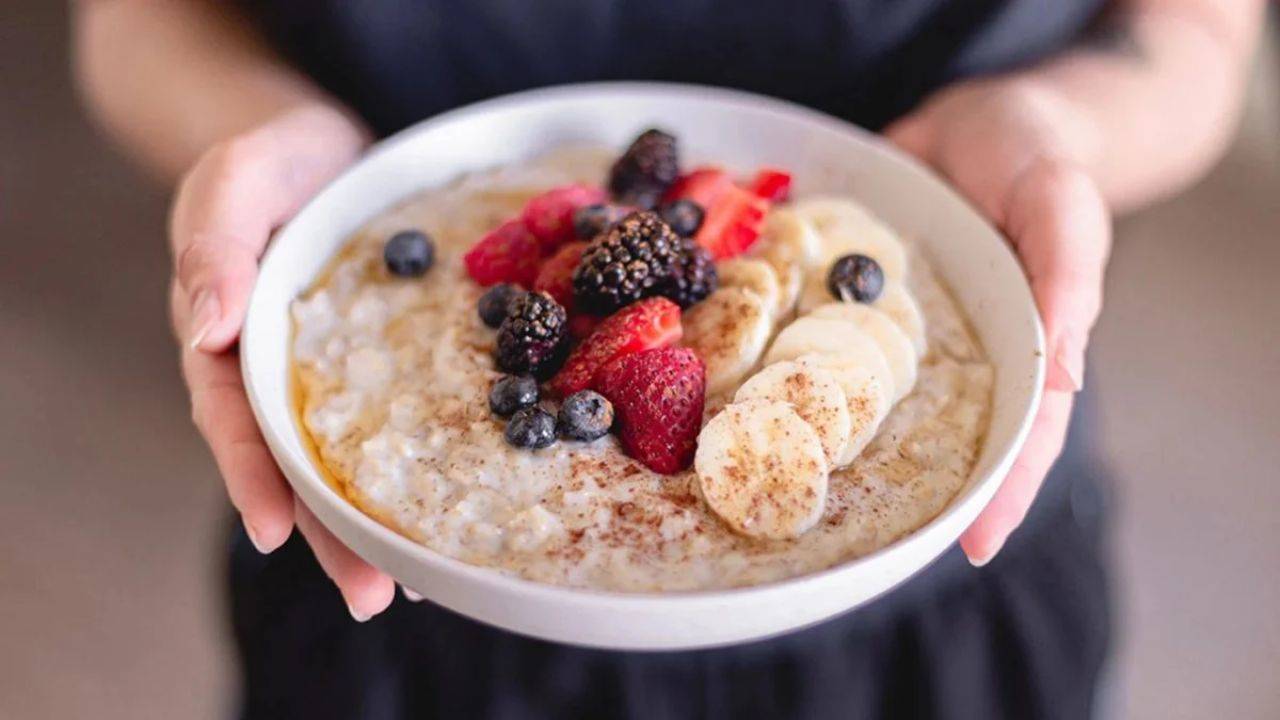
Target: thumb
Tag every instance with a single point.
(914, 133)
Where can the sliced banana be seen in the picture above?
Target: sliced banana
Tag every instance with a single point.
(893, 340)
(754, 275)
(728, 331)
(762, 469)
(813, 392)
(814, 293)
(896, 302)
(788, 244)
(868, 402)
(874, 241)
(839, 338)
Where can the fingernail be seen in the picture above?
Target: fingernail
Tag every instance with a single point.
(982, 558)
(204, 314)
(409, 594)
(1072, 365)
(257, 542)
(356, 614)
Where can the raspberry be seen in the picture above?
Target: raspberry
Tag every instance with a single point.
(555, 277)
(658, 397)
(508, 254)
(645, 170)
(650, 323)
(531, 340)
(629, 262)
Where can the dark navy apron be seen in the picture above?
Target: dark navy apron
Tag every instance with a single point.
(1024, 637)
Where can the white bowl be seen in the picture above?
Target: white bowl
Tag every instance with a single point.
(737, 128)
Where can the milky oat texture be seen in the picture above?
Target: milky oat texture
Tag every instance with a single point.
(392, 377)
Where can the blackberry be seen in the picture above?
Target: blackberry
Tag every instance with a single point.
(629, 262)
(409, 253)
(684, 216)
(493, 304)
(585, 415)
(531, 428)
(532, 338)
(855, 278)
(591, 220)
(694, 277)
(645, 170)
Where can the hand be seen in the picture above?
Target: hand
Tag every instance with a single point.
(226, 209)
(1009, 146)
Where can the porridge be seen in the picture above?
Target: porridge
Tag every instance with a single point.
(752, 410)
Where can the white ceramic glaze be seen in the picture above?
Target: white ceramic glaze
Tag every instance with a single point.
(742, 130)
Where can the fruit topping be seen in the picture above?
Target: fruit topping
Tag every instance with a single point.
(684, 216)
(658, 396)
(585, 415)
(511, 393)
(694, 276)
(650, 323)
(855, 278)
(580, 326)
(591, 220)
(409, 253)
(493, 304)
(645, 170)
(509, 254)
(629, 262)
(733, 222)
(531, 428)
(555, 277)
(772, 184)
(532, 338)
(549, 216)
(703, 186)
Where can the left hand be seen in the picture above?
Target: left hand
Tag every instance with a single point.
(1009, 147)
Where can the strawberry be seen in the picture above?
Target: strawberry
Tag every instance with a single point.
(771, 184)
(703, 185)
(508, 254)
(555, 277)
(657, 398)
(549, 216)
(580, 326)
(732, 223)
(650, 323)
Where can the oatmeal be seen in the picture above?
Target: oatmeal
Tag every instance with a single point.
(393, 377)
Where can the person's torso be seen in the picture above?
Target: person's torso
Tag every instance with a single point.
(398, 61)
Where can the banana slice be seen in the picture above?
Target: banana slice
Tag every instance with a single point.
(756, 276)
(893, 341)
(815, 395)
(846, 227)
(896, 302)
(814, 293)
(788, 244)
(868, 403)
(728, 331)
(839, 338)
(762, 469)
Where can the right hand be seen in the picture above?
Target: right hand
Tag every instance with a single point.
(226, 208)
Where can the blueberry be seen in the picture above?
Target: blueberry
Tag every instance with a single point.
(585, 415)
(684, 216)
(409, 253)
(511, 393)
(855, 278)
(591, 220)
(493, 304)
(531, 427)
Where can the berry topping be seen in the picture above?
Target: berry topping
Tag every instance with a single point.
(694, 277)
(584, 415)
(591, 220)
(772, 184)
(580, 326)
(855, 278)
(733, 223)
(555, 277)
(684, 216)
(650, 323)
(494, 302)
(511, 393)
(509, 254)
(645, 170)
(531, 428)
(549, 216)
(532, 338)
(625, 264)
(658, 396)
(703, 186)
(409, 253)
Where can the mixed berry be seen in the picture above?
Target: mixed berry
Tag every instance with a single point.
(409, 253)
(855, 278)
(586, 288)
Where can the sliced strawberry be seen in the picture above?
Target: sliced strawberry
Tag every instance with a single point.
(555, 277)
(658, 397)
(549, 216)
(649, 323)
(732, 223)
(508, 254)
(772, 184)
(703, 185)
(580, 326)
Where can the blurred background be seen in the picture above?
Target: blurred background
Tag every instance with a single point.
(112, 515)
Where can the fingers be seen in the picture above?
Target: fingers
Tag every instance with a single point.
(914, 134)
(1060, 225)
(222, 414)
(367, 590)
(1009, 506)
